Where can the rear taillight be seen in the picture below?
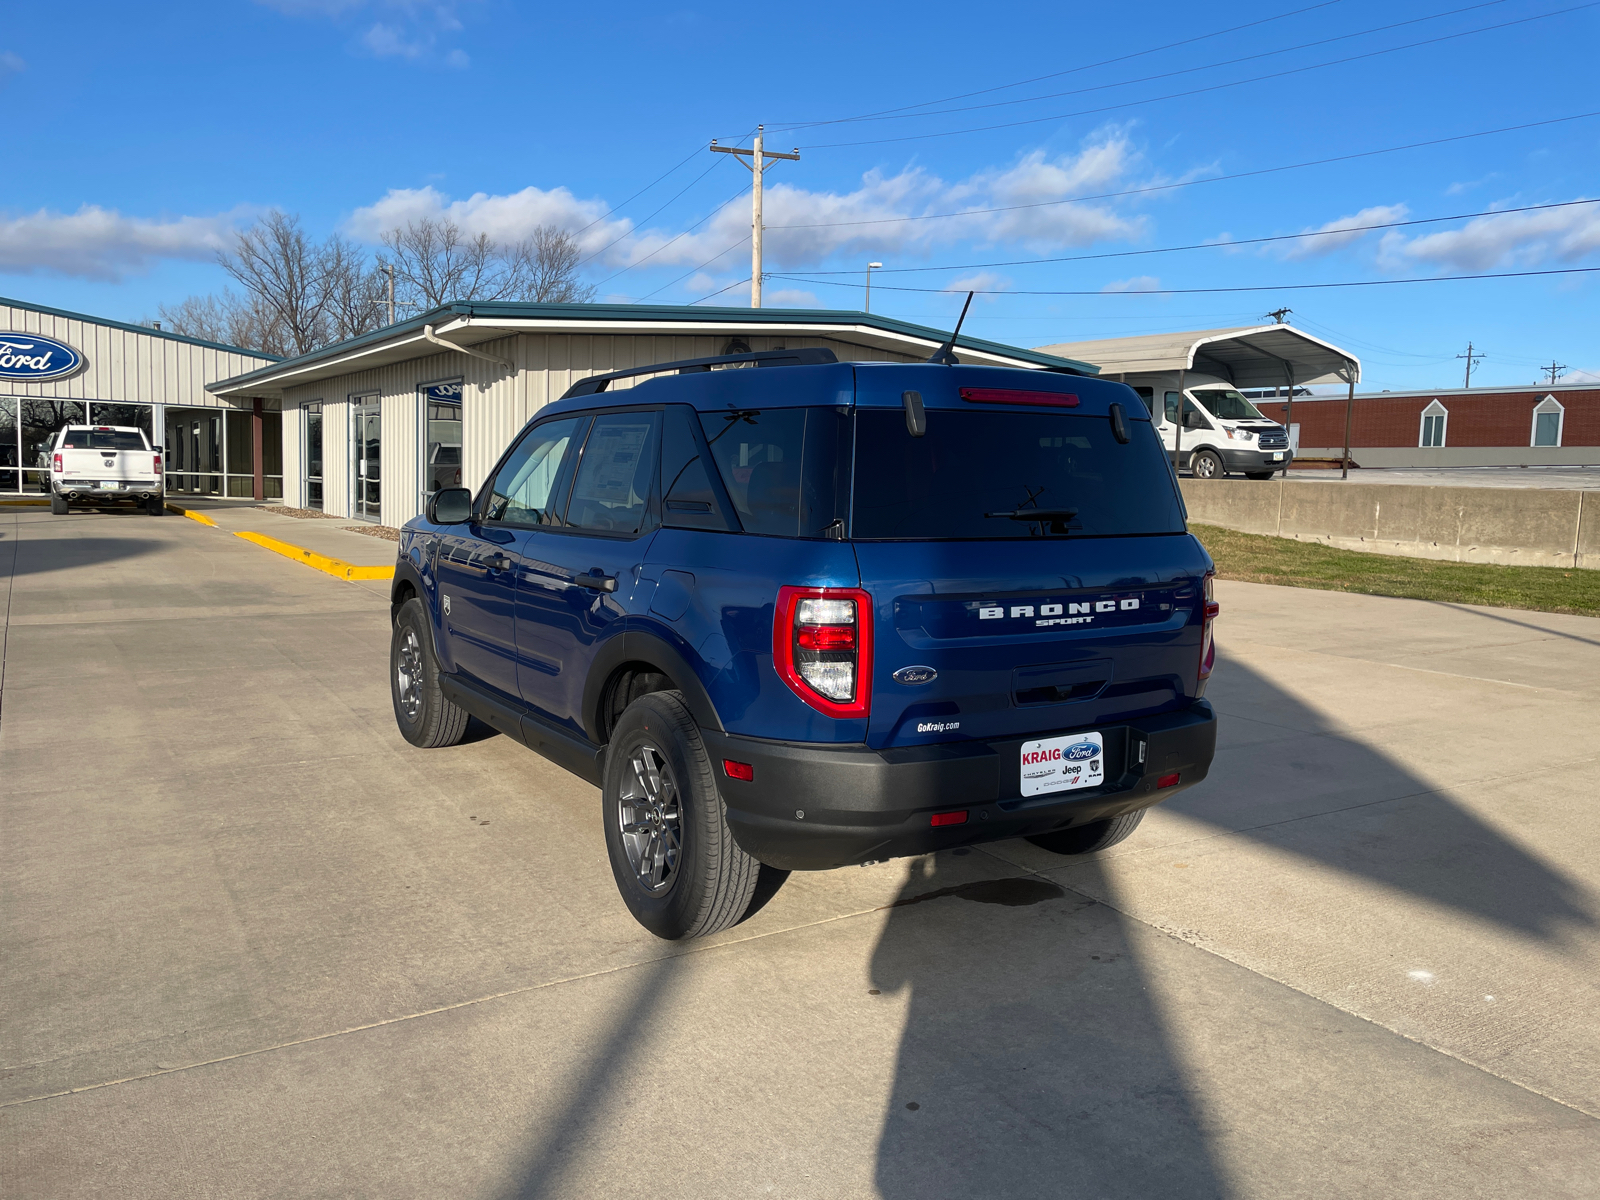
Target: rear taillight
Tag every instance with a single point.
(822, 647)
(158, 464)
(57, 467)
(1208, 644)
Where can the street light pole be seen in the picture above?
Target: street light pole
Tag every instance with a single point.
(870, 268)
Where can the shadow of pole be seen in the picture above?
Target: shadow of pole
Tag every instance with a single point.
(1033, 1062)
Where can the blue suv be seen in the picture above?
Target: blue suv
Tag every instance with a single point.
(809, 614)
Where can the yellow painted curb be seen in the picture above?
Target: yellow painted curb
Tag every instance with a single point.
(338, 568)
(24, 503)
(193, 516)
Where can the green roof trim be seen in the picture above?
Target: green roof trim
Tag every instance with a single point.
(490, 309)
(130, 327)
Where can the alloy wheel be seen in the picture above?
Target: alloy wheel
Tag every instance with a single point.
(650, 816)
(408, 675)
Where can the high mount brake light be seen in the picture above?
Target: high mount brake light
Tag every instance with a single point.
(1208, 643)
(1015, 396)
(822, 648)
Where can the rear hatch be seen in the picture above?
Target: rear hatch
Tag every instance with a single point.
(94, 456)
(991, 625)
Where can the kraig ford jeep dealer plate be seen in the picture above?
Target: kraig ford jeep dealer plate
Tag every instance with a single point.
(1061, 764)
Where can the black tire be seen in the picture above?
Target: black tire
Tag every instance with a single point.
(659, 783)
(155, 506)
(1207, 464)
(58, 505)
(1259, 474)
(1086, 839)
(425, 717)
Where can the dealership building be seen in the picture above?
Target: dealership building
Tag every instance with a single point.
(63, 368)
(372, 425)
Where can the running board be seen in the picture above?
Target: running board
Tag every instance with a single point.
(567, 750)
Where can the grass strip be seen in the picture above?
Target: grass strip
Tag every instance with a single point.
(1257, 558)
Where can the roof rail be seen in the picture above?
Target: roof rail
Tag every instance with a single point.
(805, 356)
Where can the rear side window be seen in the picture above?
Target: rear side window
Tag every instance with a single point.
(689, 499)
(611, 493)
(974, 463)
(103, 439)
(787, 469)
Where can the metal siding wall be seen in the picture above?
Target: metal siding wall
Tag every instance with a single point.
(294, 484)
(124, 365)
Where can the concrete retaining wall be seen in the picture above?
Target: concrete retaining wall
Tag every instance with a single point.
(1530, 527)
(1461, 456)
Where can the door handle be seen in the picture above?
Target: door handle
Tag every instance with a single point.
(497, 562)
(596, 582)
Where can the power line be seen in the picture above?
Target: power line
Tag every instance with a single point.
(1230, 62)
(673, 239)
(701, 267)
(651, 217)
(1228, 245)
(1232, 83)
(1167, 187)
(1283, 287)
(614, 209)
(1106, 62)
(719, 291)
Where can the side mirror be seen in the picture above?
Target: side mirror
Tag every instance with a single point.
(1193, 420)
(450, 506)
(156, 449)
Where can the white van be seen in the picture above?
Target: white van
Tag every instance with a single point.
(1223, 433)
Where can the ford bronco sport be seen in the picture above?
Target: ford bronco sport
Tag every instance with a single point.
(815, 614)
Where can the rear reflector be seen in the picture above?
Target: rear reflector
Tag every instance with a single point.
(950, 818)
(1167, 781)
(739, 770)
(1016, 396)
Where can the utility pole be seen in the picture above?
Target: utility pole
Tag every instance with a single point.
(758, 166)
(1471, 358)
(1555, 370)
(391, 293)
(871, 267)
(1280, 316)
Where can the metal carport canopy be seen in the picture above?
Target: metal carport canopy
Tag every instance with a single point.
(1251, 356)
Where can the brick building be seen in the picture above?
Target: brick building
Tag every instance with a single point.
(1557, 425)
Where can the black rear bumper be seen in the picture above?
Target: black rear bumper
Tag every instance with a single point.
(813, 807)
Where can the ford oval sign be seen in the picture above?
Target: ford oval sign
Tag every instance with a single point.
(31, 358)
(1079, 751)
(915, 675)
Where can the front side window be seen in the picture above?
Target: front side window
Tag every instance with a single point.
(612, 491)
(787, 469)
(530, 489)
(1193, 418)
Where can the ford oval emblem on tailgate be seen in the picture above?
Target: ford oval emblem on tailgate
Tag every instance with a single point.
(912, 675)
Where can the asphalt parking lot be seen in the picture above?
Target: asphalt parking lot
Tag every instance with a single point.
(256, 945)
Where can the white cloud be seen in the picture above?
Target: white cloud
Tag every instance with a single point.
(1510, 240)
(386, 41)
(1456, 189)
(102, 244)
(10, 64)
(980, 281)
(1340, 233)
(406, 29)
(1139, 283)
(1581, 377)
(804, 227)
(458, 59)
(789, 298)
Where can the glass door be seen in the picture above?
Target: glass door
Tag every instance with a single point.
(366, 442)
(313, 459)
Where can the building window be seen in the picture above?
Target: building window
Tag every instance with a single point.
(441, 447)
(311, 461)
(1548, 416)
(1434, 419)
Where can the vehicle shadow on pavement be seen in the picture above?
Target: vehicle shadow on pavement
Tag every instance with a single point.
(1285, 776)
(41, 555)
(1033, 1062)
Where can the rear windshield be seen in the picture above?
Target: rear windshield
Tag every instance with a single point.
(102, 439)
(786, 469)
(970, 464)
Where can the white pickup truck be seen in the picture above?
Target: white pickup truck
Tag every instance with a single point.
(105, 464)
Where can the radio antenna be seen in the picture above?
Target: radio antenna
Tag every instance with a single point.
(946, 353)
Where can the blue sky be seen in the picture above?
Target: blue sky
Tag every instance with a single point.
(139, 136)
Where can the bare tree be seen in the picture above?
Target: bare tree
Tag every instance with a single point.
(353, 291)
(434, 264)
(549, 266)
(245, 322)
(276, 263)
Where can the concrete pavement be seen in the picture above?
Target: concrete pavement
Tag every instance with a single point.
(256, 945)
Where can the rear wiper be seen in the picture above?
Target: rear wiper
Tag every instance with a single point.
(1054, 518)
